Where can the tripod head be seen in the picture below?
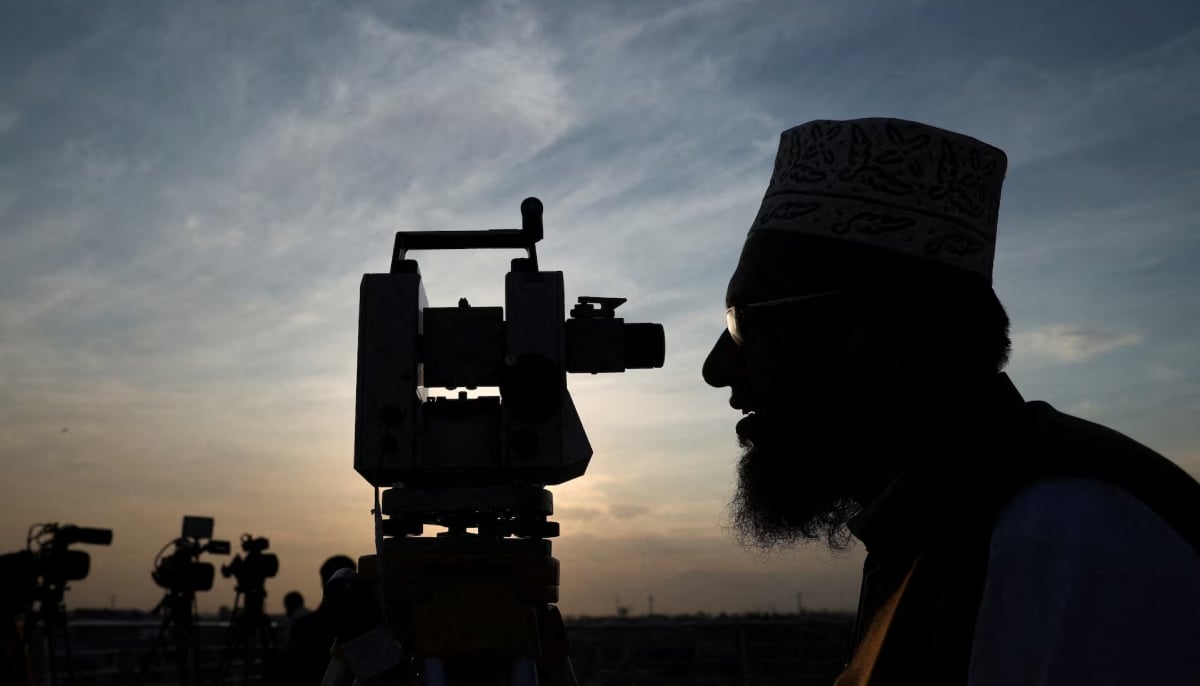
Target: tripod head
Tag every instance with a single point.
(253, 570)
(180, 572)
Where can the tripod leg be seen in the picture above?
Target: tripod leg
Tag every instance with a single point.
(189, 645)
(554, 667)
(557, 671)
(268, 649)
(156, 650)
(65, 633)
(48, 640)
(66, 637)
(433, 672)
(247, 652)
(523, 672)
(184, 654)
(232, 640)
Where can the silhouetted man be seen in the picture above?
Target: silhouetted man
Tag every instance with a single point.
(293, 605)
(306, 654)
(1007, 543)
(294, 609)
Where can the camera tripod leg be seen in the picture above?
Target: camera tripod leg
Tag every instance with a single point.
(66, 637)
(48, 641)
(48, 624)
(157, 648)
(177, 624)
(233, 640)
(269, 649)
(184, 654)
(246, 630)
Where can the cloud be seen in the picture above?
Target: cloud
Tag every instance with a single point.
(578, 513)
(9, 118)
(1035, 109)
(627, 510)
(1062, 343)
(1085, 408)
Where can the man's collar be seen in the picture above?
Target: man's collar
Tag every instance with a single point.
(922, 494)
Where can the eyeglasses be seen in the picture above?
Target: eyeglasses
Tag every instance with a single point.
(743, 321)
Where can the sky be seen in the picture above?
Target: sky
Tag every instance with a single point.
(190, 193)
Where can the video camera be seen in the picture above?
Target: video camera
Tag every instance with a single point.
(42, 570)
(253, 570)
(181, 571)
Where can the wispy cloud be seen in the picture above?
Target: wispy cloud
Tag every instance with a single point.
(1062, 343)
(1066, 108)
(9, 118)
(628, 510)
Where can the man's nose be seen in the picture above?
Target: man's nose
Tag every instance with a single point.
(721, 365)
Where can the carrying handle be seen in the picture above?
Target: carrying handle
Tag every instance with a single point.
(523, 238)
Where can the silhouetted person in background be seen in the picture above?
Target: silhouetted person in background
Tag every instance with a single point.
(1007, 543)
(293, 608)
(293, 605)
(306, 652)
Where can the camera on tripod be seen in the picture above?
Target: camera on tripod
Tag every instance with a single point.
(249, 621)
(42, 570)
(181, 571)
(253, 570)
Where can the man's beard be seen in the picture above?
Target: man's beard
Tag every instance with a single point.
(793, 485)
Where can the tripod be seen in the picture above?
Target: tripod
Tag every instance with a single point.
(51, 615)
(245, 625)
(475, 608)
(179, 622)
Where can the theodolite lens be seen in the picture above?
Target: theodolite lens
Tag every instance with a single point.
(645, 346)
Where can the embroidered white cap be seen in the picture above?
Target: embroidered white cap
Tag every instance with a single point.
(892, 184)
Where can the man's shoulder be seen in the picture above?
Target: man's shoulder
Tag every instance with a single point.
(1082, 513)
(1087, 583)
(1086, 463)
(1048, 442)
(1068, 432)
